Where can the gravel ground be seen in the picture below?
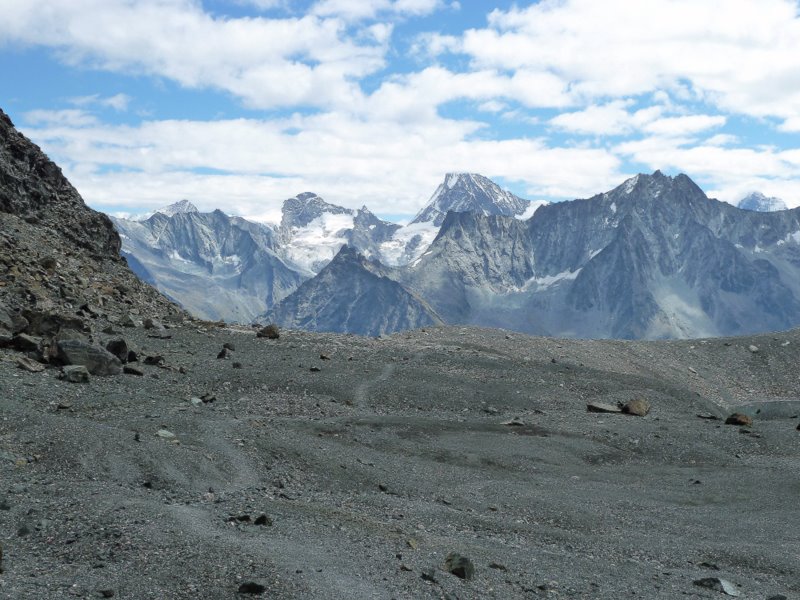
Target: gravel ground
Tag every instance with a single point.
(373, 459)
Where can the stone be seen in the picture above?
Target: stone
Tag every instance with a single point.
(252, 587)
(602, 407)
(156, 360)
(739, 419)
(315, 369)
(195, 401)
(119, 348)
(773, 597)
(165, 434)
(236, 365)
(107, 593)
(49, 324)
(6, 337)
(263, 520)
(76, 373)
(514, 422)
(324, 357)
(637, 407)
(97, 360)
(25, 363)
(154, 324)
(753, 349)
(229, 346)
(223, 353)
(498, 566)
(26, 343)
(460, 566)
(131, 370)
(128, 321)
(271, 332)
(429, 575)
(717, 584)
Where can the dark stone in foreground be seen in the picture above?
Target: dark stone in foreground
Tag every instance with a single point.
(637, 407)
(76, 374)
(252, 587)
(119, 348)
(460, 566)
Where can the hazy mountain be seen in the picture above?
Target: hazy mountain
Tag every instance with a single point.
(215, 266)
(761, 203)
(353, 295)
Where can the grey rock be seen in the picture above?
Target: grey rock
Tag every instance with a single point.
(26, 343)
(76, 373)
(271, 332)
(131, 370)
(97, 361)
(740, 419)
(252, 588)
(459, 565)
(165, 434)
(602, 407)
(29, 365)
(717, 584)
(150, 323)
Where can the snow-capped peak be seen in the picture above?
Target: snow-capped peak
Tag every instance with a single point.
(761, 203)
(182, 206)
(469, 192)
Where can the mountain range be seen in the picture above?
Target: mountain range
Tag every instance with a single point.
(653, 258)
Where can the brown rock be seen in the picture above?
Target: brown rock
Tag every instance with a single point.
(740, 420)
(29, 365)
(270, 332)
(637, 407)
(602, 407)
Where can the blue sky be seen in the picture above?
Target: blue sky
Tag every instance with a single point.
(239, 104)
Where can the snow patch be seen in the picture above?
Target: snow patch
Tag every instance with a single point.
(532, 208)
(613, 207)
(395, 252)
(550, 280)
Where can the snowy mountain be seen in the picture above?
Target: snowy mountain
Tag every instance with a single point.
(469, 192)
(761, 203)
(653, 258)
(312, 231)
(215, 266)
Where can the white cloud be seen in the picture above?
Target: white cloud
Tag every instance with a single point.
(265, 62)
(679, 126)
(355, 10)
(336, 155)
(118, 102)
(739, 55)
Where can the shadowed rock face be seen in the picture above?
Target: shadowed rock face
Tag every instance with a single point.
(55, 252)
(353, 295)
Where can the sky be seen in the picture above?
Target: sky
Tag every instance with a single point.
(240, 104)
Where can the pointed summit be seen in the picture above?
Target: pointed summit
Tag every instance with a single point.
(469, 192)
(180, 207)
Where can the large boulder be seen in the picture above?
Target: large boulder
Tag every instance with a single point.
(97, 360)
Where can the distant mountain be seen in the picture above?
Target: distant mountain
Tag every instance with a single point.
(653, 258)
(469, 192)
(215, 266)
(312, 231)
(352, 295)
(761, 203)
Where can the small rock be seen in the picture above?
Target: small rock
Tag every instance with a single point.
(223, 353)
(23, 362)
(64, 405)
(270, 332)
(602, 407)
(156, 360)
(119, 348)
(195, 401)
(324, 357)
(429, 575)
(208, 398)
(740, 420)
(131, 370)
(128, 321)
(460, 566)
(263, 520)
(514, 422)
(229, 346)
(76, 373)
(106, 593)
(236, 365)
(153, 324)
(498, 566)
(315, 369)
(753, 349)
(636, 407)
(252, 587)
(26, 343)
(717, 584)
(165, 434)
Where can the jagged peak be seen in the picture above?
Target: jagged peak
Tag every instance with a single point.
(761, 203)
(179, 207)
